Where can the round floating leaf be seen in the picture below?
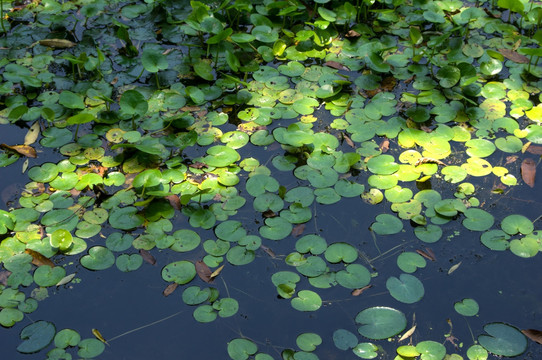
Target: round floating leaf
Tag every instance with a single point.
(307, 300)
(338, 252)
(276, 228)
(514, 224)
(259, 184)
(355, 276)
(448, 76)
(409, 262)
(193, 295)
(480, 148)
(125, 218)
(344, 339)
(407, 351)
(477, 352)
(10, 316)
(221, 156)
(44, 173)
(366, 350)
(181, 272)
(48, 276)
(308, 341)
(119, 242)
(467, 307)
(407, 289)
(36, 336)
(98, 258)
(431, 350)
(387, 224)
(503, 340)
(311, 243)
(379, 323)
(61, 239)
(67, 337)
(525, 247)
(478, 220)
(240, 255)
(153, 60)
(126, 262)
(132, 102)
(495, 240)
(429, 234)
(90, 348)
(382, 165)
(241, 349)
(226, 307)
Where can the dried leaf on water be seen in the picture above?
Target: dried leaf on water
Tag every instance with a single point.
(203, 271)
(170, 289)
(66, 279)
(298, 230)
(534, 149)
(528, 171)
(514, 56)
(24, 150)
(38, 259)
(429, 255)
(57, 43)
(384, 145)
(454, 267)
(4, 274)
(147, 256)
(336, 65)
(217, 272)
(407, 334)
(348, 141)
(99, 336)
(533, 334)
(358, 292)
(268, 251)
(32, 134)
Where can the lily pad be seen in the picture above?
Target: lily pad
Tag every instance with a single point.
(338, 252)
(409, 262)
(387, 224)
(307, 300)
(308, 341)
(503, 340)
(241, 349)
(344, 339)
(406, 289)
(380, 322)
(98, 258)
(181, 272)
(467, 307)
(36, 336)
(514, 224)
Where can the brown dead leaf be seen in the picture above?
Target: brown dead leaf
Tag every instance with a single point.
(336, 65)
(174, 201)
(147, 256)
(4, 274)
(388, 83)
(490, 14)
(170, 289)
(198, 165)
(217, 272)
(358, 292)
(510, 159)
(298, 230)
(384, 145)
(407, 334)
(352, 33)
(57, 43)
(203, 271)
(514, 56)
(268, 251)
(534, 149)
(429, 255)
(348, 141)
(32, 134)
(190, 108)
(534, 335)
(38, 259)
(269, 214)
(24, 150)
(528, 171)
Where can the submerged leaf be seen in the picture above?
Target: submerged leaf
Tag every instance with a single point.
(38, 259)
(534, 335)
(528, 171)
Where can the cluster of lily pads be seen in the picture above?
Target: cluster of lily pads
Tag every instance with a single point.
(223, 113)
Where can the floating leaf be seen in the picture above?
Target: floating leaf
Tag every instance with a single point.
(36, 336)
(407, 288)
(344, 339)
(181, 272)
(98, 258)
(467, 307)
(503, 339)
(528, 171)
(379, 323)
(307, 300)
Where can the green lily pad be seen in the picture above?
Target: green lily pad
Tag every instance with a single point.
(194, 295)
(382, 165)
(430, 233)
(431, 350)
(221, 156)
(10, 316)
(132, 102)
(366, 350)
(98, 258)
(480, 148)
(307, 300)
(478, 220)
(525, 247)
(514, 224)
(153, 60)
(477, 352)
(36, 336)
(355, 276)
(181, 272)
(311, 243)
(407, 289)
(125, 218)
(226, 307)
(341, 251)
(344, 339)
(308, 341)
(48, 276)
(467, 307)
(503, 340)
(241, 349)
(126, 262)
(380, 322)
(387, 224)
(240, 255)
(61, 239)
(67, 337)
(259, 184)
(495, 240)
(276, 228)
(90, 348)
(409, 262)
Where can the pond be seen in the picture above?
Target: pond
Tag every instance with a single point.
(270, 180)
